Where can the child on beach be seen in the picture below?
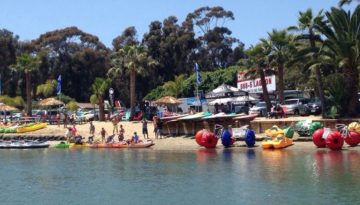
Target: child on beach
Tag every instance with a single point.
(159, 126)
(92, 128)
(135, 138)
(121, 134)
(155, 120)
(144, 128)
(115, 122)
(103, 134)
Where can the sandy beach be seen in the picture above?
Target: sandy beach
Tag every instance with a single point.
(167, 143)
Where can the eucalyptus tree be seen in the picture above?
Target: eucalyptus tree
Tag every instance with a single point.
(99, 88)
(341, 46)
(27, 63)
(307, 27)
(214, 38)
(9, 46)
(131, 60)
(77, 56)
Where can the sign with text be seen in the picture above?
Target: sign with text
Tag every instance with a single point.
(254, 85)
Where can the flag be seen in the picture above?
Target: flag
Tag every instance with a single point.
(198, 77)
(58, 87)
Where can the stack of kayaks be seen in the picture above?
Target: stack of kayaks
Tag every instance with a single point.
(31, 127)
(276, 138)
(144, 144)
(11, 129)
(30, 144)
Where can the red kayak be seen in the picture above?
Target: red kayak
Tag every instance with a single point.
(145, 144)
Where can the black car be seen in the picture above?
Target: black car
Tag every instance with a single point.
(314, 107)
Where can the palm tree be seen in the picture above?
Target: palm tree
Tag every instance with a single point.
(174, 88)
(342, 46)
(280, 45)
(307, 22)
(257, 61)
(46, 89)
(99, 87)
(133, 60)
(27, 63)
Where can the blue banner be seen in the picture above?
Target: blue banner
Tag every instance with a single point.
(58, 87)
(198, 77)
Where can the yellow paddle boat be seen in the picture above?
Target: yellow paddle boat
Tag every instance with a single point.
(278, 142)
(274, 131)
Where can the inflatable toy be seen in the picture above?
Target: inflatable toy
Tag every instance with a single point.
(352, 138)
(226, 138)
(307, 127)
(354, 126)
(289, 132)
(318, 139)
(209, 140)
(250, 138)
(198, 136)
(278, 142)
(274, 131)
(334, 141)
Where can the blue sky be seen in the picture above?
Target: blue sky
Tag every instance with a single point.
(108, 18)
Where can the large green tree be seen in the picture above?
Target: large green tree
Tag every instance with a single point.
(306, 25)
(131, 60)
(77, 56)
(280, 45)
(258, 63)
(27, 63)
(341, 46)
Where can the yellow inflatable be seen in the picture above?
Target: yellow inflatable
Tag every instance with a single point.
(354, 126)
(278, 142)
(34, 127)
(274, 131)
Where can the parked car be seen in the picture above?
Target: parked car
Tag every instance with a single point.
(314, 107)
(260, 108)
(296, 106)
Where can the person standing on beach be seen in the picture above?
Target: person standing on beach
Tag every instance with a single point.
(159, 126)
(155, 120)
(92, 128)
(103, 134)
(65, 120)
(115, 122)
(144, 128)
(121, 134)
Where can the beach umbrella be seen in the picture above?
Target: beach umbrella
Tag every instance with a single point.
(167, 100)
(50, 102)
(4, 107)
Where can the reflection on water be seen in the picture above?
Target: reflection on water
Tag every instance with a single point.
(204, 176)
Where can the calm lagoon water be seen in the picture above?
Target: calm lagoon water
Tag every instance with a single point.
(230, 176)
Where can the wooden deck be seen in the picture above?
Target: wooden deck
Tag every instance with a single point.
(259, 125)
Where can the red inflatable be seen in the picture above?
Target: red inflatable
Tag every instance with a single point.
(353, 139)
(318, 140)
(209, 140)
(199, 135)
(334, 141)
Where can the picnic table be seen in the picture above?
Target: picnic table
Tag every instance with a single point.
(29, 119)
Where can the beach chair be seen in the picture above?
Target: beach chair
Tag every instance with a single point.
(126, 117)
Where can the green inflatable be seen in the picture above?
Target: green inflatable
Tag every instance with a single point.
(307, 127)
(289, 132)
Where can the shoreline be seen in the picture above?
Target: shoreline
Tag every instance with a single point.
(175, 143)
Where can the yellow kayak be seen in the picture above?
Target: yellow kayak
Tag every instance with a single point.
(76, 146)
(37, 126)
